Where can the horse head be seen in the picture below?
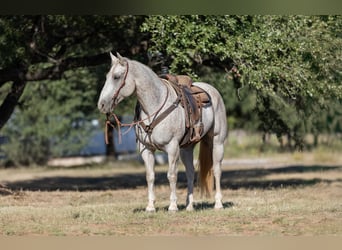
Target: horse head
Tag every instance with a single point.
(118, 84)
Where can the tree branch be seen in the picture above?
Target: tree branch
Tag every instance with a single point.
(56, 71)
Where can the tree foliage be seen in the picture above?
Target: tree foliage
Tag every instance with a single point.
(292, 62)
(285, 55)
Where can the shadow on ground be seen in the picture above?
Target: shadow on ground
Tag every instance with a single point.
(253, 178)
(198, 206)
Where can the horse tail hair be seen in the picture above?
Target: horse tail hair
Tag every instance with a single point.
(205, 168)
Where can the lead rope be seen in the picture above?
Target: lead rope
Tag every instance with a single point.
(119, 125)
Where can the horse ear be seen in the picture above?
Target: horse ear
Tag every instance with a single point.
(112, 57)
(119, 56)
(121, 59)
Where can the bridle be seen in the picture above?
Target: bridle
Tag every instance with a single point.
(123, 83)
(147, 128)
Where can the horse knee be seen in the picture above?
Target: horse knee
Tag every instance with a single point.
(172, 177)
(150, 177)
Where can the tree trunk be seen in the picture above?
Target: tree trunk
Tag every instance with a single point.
(11, 101)
(110, 147)
(315, 143)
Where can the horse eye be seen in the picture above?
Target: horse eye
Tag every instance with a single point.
(116, 77)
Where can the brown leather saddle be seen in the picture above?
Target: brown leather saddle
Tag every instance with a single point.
(192, 98)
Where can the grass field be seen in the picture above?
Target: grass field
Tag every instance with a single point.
(287, 194)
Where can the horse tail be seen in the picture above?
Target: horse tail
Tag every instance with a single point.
(205, 166)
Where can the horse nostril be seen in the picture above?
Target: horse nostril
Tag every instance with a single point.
(101, 105)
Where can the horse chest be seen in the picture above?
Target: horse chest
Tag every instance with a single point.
(171, 128)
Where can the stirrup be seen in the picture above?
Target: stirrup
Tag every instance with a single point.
(197, 136)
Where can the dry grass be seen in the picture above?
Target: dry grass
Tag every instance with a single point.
(292, 195)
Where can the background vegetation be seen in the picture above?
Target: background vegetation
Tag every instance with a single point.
(278, 75)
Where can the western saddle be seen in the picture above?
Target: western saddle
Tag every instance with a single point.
(192, 99)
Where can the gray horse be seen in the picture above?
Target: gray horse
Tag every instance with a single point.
(155, 96)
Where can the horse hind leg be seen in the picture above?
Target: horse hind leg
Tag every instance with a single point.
(186, 155)
(218, 151)
(210, 159)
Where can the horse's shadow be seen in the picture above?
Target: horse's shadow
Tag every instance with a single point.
(198, 206)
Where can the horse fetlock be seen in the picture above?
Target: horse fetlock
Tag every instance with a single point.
(218, 196)
(150, 207)
(190, 202)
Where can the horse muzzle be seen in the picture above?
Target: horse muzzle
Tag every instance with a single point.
(107, 107)
(103, 106)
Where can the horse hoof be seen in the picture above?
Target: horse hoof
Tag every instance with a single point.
(218, 206)
(189, 208)
(150, 209)
(173, 208)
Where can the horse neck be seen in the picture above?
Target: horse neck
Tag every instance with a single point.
(150, 90)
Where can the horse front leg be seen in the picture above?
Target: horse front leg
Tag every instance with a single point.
(173, 155)
(148, 157)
